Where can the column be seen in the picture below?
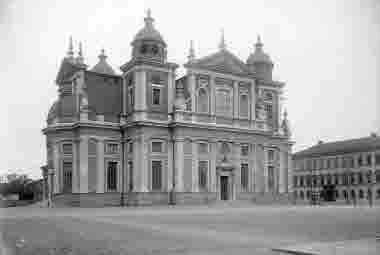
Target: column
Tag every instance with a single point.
(265, 169)
(283, 172)
(290, 172)
(125, 96)
(237, 177)
(170, 165)
(83, 164)
(101, 167)
(236, 101)
(136, 164)
(253, 100)
(56, 178)
(251, 169)
(171, 91)
(213, 167)
(179, 165)
(143, 165)
(192, 81)
(195, 167)
(75, 174)
(212, 95)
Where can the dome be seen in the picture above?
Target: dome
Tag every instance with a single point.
(259, 56)
(148, 32)
(102, 66)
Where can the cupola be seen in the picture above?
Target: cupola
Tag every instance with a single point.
(102, 66)
(148, 42)
(260, 63)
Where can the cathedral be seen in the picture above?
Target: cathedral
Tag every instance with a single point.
(146, 137)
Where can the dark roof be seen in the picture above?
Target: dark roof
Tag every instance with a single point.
(222, 61)
(363, 144)
(66, 71)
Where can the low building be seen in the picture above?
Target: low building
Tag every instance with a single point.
(346, 171)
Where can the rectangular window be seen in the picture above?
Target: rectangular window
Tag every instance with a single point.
(130, 95)
(295, 179)
(244, 176)
(360, 160)
(112, 176)
(328, 163)
(156, 93)
(67, 149)
(244, 150)
(67, 176)
(157, 147)
(156, 175)
(202, 148)
(112, 148)
(269, 110)
(130, 176)
(244, 105)
(130, 147)
(377, 159)
(270, 177)
(202, 174)
(369, 160)
(270, 155)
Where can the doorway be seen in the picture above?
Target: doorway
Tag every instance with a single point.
(224, 188)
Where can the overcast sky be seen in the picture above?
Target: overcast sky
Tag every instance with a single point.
(327, 52)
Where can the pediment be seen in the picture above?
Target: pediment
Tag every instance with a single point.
(223, 62)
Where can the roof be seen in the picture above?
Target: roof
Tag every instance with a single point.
(222, 61)
(66, 70)
(341, 147)
(102, 66)
(148, 32)
(259, 56)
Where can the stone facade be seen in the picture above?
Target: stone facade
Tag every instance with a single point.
(145, 137)
(346, 172)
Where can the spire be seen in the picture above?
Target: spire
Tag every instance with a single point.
(102, 56)
(191, 56)
(80, 59)
(148, 19)
(70, 51)
(222, 44)
(258, 43)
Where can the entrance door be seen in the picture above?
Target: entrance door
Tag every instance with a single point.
(224, 187)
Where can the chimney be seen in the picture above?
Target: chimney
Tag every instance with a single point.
(373, 134)
(320, 142)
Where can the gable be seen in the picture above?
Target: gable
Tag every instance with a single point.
(223, 62)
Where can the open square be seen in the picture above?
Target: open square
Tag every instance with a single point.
(218, 229)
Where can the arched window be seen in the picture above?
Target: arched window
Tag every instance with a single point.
(301, 194)
(353, 194)
(202, 100)
(244, 104)
(345, 194)
(223, 102)
(308, 194)
(361, 194)
(336, 194)
(378, 194)
(360, 178)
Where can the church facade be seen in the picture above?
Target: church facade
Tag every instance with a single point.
(147, 137)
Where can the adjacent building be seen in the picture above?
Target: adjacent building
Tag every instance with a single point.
(346, 171)
(148, 137)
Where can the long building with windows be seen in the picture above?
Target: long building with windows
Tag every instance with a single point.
(147, 137)
(343, 171)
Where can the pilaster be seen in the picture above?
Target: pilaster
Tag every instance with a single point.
(283, 172)
(213, 167)
(140, 90)
(100, 167)
(253, 100)
(191, 78)
(212, 95)
(195, 187)
(125, 96)
(252, 169)
(171, 91)
(83, 164)
(236, 102)
(237, 177)
(144, 166)
(75, 174)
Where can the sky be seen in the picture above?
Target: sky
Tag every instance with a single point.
(327, 52)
